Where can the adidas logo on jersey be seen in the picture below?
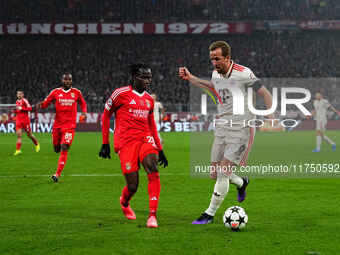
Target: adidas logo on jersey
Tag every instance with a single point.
(153, 198)
(132, 102)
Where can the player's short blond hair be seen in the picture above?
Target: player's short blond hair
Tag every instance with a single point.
(225, 47)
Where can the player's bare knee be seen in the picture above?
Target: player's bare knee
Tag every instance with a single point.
(226, 167)
(226, 162)
(151, 166)
(132, 187)
(150, 163)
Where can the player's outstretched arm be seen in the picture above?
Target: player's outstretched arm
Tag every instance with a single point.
(47, 101)
(184, 73)
(334, 110)
(268, 99)
(105, 149)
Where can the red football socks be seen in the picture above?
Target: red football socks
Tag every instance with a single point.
(154, 188)
(18, 146)
(126, 195)
(61, 162)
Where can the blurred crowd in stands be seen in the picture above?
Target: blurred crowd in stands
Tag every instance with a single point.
(166, 10)
(99, 64)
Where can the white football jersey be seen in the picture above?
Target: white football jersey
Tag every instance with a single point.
(156, 111)
(240, 78)
(321, 107)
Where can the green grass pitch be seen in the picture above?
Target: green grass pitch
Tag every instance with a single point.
(81, 213)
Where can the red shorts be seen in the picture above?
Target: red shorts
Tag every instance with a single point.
(24, 125)
(133, 153)
(62, 136)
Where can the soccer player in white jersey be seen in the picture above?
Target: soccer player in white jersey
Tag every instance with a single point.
(320, 114)
(231, 144)
(158, 113)
(158, 110)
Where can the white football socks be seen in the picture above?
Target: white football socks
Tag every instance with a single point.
(318, 142)
(237, 180)
(326, 138)
(220, 191)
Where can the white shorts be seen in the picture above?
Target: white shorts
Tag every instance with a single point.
(157, 119)
(321, 125)
(235, 146)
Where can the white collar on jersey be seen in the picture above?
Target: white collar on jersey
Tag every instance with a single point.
(137, 93)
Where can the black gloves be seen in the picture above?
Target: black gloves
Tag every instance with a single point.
(105, 151)
(162, 159)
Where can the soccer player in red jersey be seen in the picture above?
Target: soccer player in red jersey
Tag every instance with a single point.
(65, 100)
(135, 139)
(23, 122)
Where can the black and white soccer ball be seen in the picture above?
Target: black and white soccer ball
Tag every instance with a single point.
(235, 218)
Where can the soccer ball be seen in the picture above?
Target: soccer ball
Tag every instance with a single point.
(235, 218)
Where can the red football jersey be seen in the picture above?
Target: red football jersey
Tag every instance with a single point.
(134, 119)
(23, 107)
(65, 103)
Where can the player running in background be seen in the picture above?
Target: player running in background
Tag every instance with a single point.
(23, 122)
(135, 139)
(158, 109)
(158, 112)
(320, 113)
(65, 100)
(232, 143)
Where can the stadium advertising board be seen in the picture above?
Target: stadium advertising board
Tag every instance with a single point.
(127, 28)
(320, 24)
(174, 122)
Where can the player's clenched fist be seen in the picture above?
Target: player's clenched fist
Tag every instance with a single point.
(184, 73)
(105, 151)
(162, 159)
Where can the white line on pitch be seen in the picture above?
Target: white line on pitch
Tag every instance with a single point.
(78, 175)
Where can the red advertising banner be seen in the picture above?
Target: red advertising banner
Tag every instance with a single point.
(126, 28)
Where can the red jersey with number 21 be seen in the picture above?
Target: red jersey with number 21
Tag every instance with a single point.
(134, 119)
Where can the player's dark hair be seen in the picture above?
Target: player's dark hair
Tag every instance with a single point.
(225, 47)
(135, 68)
(20, 90)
